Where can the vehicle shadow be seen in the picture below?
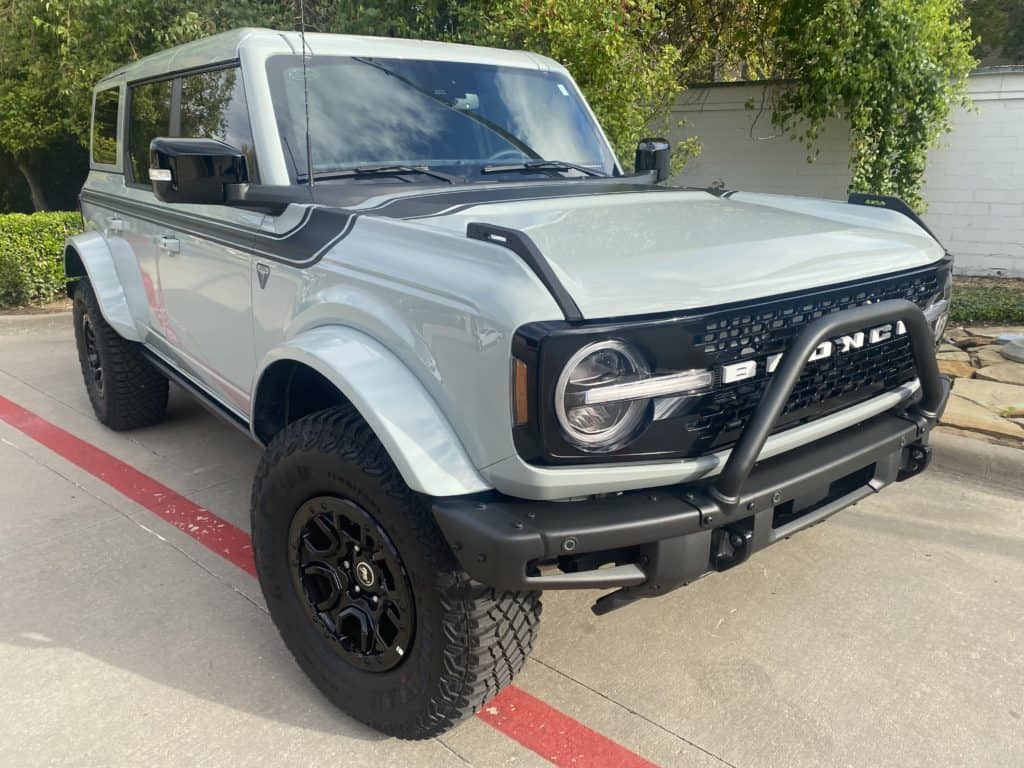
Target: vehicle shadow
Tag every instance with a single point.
(143, 606)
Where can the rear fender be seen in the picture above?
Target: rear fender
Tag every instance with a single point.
(403, 415)
(90, 253)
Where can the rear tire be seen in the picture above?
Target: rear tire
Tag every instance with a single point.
(126, 392)
(326, 483)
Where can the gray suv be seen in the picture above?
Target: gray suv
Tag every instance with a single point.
(484, 361)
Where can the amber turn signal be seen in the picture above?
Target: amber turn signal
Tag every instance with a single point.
(520, 393)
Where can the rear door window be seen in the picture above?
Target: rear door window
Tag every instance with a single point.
(213, 106)
(104, 126)
(150, 118)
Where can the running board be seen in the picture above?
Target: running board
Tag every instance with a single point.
(215, 407)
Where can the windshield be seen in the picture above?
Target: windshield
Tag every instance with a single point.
(453, 117)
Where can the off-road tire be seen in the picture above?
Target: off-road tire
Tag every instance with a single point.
(131, 393)
(469, 640)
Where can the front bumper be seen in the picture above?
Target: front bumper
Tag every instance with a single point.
(649, 542)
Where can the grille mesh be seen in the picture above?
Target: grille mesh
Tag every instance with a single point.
(826, 385)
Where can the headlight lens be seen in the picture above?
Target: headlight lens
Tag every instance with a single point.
(937, 313)
(600, 426)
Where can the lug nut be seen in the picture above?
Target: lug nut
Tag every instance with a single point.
(357, 587)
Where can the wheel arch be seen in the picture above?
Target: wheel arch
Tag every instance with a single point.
(87, 256)
(332, 365)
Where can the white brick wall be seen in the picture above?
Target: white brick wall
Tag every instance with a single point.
(974, 184)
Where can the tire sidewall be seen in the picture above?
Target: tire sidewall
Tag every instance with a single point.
(394, 695)
(84, 305)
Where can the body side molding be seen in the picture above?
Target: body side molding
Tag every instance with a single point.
(413, 430)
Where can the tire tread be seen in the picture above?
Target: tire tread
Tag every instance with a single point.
(136, 393)
(488, 634)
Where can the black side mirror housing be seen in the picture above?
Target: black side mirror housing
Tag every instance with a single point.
(194, 170)
(654, 155)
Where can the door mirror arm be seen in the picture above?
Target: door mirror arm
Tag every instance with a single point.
(654, 156)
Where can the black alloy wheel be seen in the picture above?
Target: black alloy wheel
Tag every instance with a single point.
(92, 354)
(367, 594)
(352, 582)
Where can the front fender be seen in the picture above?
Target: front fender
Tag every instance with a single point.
(98, 262)
(405, 418)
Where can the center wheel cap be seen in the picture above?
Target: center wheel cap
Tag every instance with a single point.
(364, 575)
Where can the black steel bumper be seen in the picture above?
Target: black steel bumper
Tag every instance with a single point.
(649, 542)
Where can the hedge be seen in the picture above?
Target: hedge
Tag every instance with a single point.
(32, 256)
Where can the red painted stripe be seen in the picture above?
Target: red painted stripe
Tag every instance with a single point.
(553, 735)
(214, 533)
(541, 728)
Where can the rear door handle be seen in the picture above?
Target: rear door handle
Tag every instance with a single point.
(169, 244)
(115, 224)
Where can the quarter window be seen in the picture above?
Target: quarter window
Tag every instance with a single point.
(150, 118)
(213, 106)
(104, 126)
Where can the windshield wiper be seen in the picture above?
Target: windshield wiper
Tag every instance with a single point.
(490, 125)
(381, 170)
(531, 166)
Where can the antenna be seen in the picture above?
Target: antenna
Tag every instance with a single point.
(305, 93)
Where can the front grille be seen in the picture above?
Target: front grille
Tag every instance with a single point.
(826, 386)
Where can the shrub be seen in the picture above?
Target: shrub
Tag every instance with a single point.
(987, 301)
(32, 256)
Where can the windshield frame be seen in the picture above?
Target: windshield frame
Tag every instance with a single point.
(275, 65)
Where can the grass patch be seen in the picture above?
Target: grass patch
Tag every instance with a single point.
(987, 301)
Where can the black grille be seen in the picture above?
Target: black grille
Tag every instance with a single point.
(826, 385)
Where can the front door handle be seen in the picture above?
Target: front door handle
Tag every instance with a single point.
(169, 244)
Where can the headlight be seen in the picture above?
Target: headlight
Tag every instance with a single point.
(937, 313)
(603, 394)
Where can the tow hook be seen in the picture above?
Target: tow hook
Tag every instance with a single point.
(916, 459)
(731, 546)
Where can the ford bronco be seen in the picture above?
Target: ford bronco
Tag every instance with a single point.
(484, 360)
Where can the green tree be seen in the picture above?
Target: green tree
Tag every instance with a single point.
(892, 68)
(53, 51)
(616, 50)
(999, 25)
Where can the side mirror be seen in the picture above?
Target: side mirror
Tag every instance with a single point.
(194, 170)
(654, 155)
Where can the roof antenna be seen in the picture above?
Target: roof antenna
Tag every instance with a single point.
(305, 92)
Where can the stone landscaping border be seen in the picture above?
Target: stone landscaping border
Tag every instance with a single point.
(988, 387)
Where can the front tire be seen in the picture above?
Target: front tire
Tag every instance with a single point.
(126, 392)
(366, 592)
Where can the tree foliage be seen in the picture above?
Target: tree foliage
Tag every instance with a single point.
(616, 50)
(892, 68)
(999, 25)
(52, 52)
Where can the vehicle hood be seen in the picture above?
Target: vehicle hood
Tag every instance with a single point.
(642, 252)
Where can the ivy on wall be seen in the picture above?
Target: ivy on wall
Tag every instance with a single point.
(892, 68)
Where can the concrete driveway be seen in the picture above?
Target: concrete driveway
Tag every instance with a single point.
(891, 635)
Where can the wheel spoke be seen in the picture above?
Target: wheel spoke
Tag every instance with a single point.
(352, 582)
(320, 539)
